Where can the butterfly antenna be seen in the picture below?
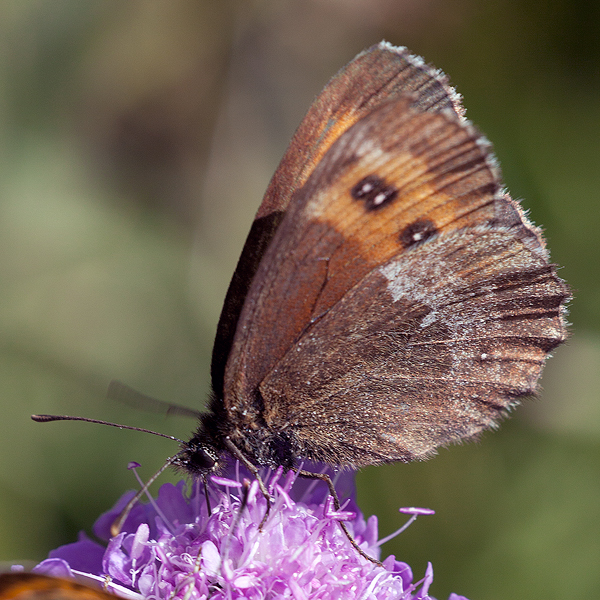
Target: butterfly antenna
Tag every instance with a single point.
(115, 528)
(49, 418)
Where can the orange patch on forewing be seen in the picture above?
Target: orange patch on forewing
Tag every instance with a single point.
(376, 230)
(447, 198)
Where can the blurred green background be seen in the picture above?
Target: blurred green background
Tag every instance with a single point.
(136, 141)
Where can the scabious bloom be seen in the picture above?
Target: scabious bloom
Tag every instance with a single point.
(173, 548)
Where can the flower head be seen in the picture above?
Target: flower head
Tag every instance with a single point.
(173, 548)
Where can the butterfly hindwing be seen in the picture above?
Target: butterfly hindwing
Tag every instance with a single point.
(397, 185)
(431, 348)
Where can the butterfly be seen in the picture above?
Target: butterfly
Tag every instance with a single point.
(32, 586)
(391, 297)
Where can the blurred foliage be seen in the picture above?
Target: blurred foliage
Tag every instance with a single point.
(136, 140)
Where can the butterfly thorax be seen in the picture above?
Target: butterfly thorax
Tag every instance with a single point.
(206, 451)
(245, 425)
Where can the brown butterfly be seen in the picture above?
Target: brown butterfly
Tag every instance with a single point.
(391, 297)
(30, 586)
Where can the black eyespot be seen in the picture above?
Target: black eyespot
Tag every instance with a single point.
(417, 232)
(374, 191)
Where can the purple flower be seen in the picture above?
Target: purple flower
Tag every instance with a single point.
(172, 548)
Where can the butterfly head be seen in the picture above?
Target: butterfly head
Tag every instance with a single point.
(199, 457)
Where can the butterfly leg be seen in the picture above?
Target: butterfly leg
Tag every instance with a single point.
(206, 496)
(235, 451)
(336, 502)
